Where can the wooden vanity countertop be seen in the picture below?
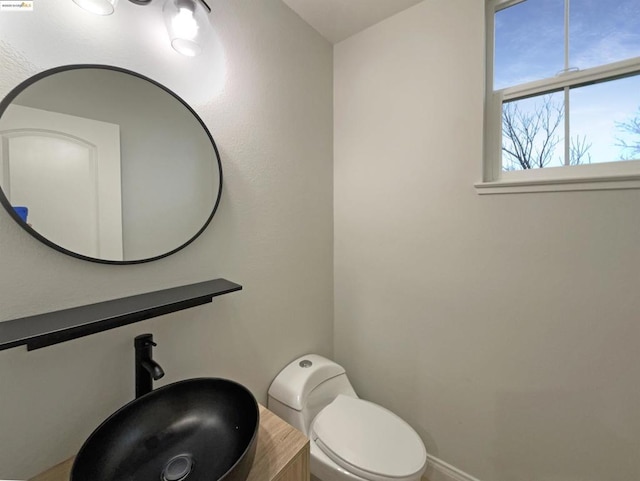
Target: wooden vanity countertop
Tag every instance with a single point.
(279, 444)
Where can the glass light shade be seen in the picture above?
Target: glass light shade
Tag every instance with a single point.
(98, 7)
(187, 24)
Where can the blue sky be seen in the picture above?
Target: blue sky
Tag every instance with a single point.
(529, 46)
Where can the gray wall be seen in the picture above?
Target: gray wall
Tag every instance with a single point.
(267, 101)
(504, 328)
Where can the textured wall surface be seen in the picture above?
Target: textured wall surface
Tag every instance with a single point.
(504, 328)
(268, 103)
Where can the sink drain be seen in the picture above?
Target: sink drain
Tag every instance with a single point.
(177, 468)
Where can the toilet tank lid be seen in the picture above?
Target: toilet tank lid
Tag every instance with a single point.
(296, 381)
(368, 440)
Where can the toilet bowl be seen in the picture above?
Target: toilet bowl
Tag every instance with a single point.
(351, 439)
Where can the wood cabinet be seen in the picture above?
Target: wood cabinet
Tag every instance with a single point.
(282, 454)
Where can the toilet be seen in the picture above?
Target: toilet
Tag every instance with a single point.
(351, 439)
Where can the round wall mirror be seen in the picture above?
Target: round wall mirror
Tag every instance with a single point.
(106, 165)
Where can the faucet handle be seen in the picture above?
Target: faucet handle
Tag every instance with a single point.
(144, 340)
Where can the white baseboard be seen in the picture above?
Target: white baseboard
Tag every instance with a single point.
(438, 470)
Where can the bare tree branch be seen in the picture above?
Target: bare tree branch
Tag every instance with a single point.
(551, 116)
(630, 149)
(579, 151)
(529, 139)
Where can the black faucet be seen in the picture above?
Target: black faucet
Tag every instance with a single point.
(147, 370)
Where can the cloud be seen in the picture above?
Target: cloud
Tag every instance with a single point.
(611, 48)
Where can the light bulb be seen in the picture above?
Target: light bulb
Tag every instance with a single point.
(98, 7)
(186, 25)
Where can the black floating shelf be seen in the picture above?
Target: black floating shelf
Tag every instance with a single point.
(60, 326)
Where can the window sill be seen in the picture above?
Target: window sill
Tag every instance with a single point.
(510, 186)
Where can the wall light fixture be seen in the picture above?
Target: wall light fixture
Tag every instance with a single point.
(186, 20)
(98, 7)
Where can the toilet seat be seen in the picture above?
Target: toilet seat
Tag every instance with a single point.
(368, 440)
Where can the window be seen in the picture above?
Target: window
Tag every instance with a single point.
(562, 107)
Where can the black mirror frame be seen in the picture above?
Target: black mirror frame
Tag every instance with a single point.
(4, 104)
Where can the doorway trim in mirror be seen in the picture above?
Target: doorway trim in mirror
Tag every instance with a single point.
(19, 217)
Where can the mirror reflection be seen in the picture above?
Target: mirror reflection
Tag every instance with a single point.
(107, 165)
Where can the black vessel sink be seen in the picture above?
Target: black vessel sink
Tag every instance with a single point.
(194, 430)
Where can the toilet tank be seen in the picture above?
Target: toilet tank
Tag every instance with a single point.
(304, 387)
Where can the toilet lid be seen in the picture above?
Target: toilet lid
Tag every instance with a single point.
(367, 439)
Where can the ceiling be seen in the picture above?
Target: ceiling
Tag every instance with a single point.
(336, 20)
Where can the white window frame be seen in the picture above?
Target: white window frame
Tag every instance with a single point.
(599, 176)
